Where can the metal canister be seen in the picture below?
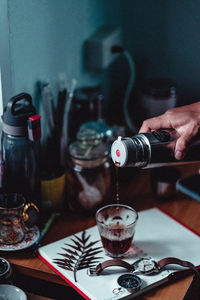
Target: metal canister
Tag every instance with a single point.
(148, 150)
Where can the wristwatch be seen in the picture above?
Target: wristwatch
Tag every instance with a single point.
(145, 265)
(148, 266)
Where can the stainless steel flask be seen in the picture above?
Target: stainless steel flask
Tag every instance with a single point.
(149, 150)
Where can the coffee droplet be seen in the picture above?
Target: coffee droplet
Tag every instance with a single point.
(117, 184)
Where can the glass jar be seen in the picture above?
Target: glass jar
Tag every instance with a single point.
(89, 179)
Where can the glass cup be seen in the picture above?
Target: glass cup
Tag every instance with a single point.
(116, 224)
(15, 215)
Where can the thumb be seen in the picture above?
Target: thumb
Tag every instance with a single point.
(181, 146)
(186, 136)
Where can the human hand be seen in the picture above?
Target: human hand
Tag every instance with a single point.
(185, 120)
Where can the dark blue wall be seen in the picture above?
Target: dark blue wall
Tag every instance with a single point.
(46, 37)
(164, 38)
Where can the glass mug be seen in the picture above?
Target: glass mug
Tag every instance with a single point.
(116, 224)
(15, 216)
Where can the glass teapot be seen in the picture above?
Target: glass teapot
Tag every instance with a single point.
(89, 179)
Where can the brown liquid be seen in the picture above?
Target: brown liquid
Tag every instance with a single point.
(117, 164)
(115, 247)
(117, 185)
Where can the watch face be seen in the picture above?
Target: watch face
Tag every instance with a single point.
(146, 266)
(130, 282)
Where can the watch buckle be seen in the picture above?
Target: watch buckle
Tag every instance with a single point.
(91, 272)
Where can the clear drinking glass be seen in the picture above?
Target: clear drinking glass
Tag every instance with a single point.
(116, 224)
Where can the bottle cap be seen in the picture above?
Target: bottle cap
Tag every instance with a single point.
(119, 152)
(16, 114)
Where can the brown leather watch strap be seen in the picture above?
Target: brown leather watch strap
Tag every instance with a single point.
(176, 261)
(193, 291)
(112, 263)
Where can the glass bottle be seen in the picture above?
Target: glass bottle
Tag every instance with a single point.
(89, 180)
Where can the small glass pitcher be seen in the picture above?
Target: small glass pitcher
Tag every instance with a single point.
(15, 216)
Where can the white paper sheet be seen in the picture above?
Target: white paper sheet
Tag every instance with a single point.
(157, 236)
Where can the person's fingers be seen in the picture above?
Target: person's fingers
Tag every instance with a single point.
(180, 148)
(155, 124)
(183, 141)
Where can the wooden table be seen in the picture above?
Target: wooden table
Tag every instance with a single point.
(137, 193)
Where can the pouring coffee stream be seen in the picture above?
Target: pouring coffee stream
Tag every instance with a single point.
(117, 183)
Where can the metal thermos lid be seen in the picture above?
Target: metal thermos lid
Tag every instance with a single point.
(119, 152)
(16, 114)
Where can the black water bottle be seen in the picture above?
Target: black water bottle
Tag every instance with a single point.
(20, 148)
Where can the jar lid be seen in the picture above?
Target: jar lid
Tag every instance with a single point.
(159, 87)
(89, 146)
(100, 126)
